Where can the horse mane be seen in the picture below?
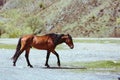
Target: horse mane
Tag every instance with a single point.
(56, 37)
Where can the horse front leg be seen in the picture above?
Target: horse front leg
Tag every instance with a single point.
(27, 57)
(47, 58)
(58, 62)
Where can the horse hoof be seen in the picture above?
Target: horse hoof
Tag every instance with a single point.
(59, 64)
(30, 66)
(14, 65)
(47, 65)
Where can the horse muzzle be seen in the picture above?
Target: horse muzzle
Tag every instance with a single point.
(72, 46)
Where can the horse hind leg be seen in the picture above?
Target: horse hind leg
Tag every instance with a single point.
(27, 57)
(17, 55)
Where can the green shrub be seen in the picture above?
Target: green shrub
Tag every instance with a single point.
(118, 20)
(5, 35)
(34, 23)
(42, 5)
(26, 30)
(12, 32)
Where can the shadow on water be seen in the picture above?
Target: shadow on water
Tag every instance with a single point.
(64, 67)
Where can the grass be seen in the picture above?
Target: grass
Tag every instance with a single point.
(61, 47)
(109, 66)
(96, 41)
(100, 64)
(7, 46)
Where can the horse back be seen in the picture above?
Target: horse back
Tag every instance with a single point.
(44, 42)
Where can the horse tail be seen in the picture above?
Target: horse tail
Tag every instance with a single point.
(17, 49)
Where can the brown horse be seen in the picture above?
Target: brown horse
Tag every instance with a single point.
(46, 42)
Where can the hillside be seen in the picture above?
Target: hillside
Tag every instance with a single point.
(80, 18)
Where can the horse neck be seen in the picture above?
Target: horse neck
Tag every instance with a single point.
(57, 38)
(60, 41)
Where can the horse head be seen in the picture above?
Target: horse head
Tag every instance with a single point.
(68, 40)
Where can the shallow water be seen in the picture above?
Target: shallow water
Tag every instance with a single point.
(82, 52)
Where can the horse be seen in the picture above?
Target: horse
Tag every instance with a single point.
(44, 42)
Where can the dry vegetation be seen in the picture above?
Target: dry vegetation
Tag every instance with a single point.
(80, 18)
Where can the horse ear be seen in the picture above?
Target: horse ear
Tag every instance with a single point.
(68, 34)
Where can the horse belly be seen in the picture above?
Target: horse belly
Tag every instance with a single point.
(40, 46)
(43, 43)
